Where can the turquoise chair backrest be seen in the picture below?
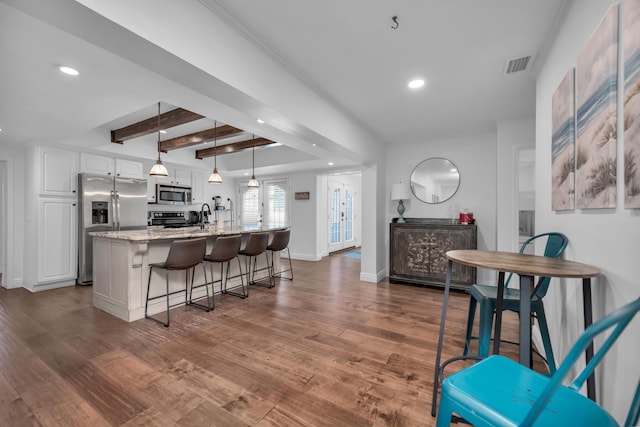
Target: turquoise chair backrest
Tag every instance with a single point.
(618, 320)
(556, 244)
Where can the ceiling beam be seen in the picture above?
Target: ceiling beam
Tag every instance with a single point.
(172, 118)
(232, 148)
(198, 137)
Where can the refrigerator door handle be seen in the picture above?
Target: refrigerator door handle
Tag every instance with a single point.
(114, 210)
(117, 210)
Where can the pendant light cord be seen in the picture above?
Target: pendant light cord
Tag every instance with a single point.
(158, 130)
(215, 145)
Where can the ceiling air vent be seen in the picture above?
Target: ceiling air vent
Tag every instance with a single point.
(517, 64)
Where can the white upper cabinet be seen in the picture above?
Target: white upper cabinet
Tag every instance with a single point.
(129, 169)
(102, 165)
(96, 164)
(59, 172)
(182, 177)
(197, 187)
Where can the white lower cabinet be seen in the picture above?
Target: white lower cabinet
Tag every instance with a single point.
(57, 240)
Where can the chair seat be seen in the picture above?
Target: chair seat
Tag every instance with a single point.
(508, 402)
(511, 297)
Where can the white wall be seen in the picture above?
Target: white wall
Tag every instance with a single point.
(606, 238)
(13, 275)
(512, 135)
(475, 157)
(304, 214)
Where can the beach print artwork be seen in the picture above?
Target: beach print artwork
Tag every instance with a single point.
(563, 145)
(596, 81)
(631, 104)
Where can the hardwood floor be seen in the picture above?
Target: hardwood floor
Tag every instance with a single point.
(322, 350)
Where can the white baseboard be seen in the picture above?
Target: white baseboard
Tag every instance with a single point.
(305, 257)
(373, 278)
(53, 285)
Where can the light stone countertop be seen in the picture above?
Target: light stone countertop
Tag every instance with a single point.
(177, 233)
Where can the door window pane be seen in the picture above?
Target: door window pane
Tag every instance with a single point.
(335, 216)
(348, 221)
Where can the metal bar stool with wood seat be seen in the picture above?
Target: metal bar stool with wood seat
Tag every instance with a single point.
(255, 245)
(279, 243)
(225, 248)
(183, 255)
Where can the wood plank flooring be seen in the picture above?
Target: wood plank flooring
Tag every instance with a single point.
(322, 350)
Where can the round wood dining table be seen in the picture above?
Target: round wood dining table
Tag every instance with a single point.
(526, 267)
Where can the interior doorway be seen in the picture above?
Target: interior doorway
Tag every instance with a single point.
(338, 212)
(526, 196)
(341, 197)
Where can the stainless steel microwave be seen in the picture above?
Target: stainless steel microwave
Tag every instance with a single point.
(172, 195)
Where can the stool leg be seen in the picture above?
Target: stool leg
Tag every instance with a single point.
(272, 280)
(146, 303)
(486, 322)
(244, 291)
(206, 288)
(544, 331)
(166, 275)
(470, 320)
(290, 265)
(208, 306)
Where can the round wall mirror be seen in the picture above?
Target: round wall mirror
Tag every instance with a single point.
(435, 180)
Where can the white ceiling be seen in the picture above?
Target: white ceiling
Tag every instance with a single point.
(345, 51)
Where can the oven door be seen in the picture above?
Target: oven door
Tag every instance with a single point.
(168, 195)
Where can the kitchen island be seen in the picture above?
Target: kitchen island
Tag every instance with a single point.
(121, 267)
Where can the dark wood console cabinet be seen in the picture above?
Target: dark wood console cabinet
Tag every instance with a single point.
(417, 252)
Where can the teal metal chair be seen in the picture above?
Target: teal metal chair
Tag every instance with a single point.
(487, 297)
(500, 392)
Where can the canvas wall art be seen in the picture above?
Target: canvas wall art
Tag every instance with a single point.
(563, 144)
(631, 104)
(596, 84)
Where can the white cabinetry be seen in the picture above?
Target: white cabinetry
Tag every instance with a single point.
(151, 189)
(57, 240)
(182, 177)
(197, 187)
(129, 169)
(59, 172)
(102, 165)
(95, 164)
(54, 211)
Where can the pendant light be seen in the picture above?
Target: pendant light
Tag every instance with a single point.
(215, 177)
(253, 182)
(159, 170)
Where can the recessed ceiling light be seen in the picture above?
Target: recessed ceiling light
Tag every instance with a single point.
(68, 70)
(260, 121)
(314, 145)
(416, 84)
(246, 174)
(330, 163)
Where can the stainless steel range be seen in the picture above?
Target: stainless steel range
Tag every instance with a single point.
(169, 219)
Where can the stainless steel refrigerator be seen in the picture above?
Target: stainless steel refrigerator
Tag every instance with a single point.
(107, 204)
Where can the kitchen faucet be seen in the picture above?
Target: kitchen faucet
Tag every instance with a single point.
(202, 214)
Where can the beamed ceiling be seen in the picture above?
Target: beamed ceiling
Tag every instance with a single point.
(180, 116)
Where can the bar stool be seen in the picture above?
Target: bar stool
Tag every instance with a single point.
(183, 255)
(279, 243)
(225, 248)
(256, 245)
